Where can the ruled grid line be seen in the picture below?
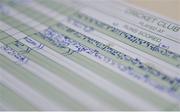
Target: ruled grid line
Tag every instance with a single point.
(53, 55)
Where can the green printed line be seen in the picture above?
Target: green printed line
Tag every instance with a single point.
(76, 80)
(128, 64)
(63, 30)
(21, 26)
(119, 38)
(114, 78)
(55, 5)
(101, 94)
(2, 35)
(39, 85)
(10, 98)
(107, 54)
(105, 72)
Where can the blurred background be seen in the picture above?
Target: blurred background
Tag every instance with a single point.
(169, 8)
